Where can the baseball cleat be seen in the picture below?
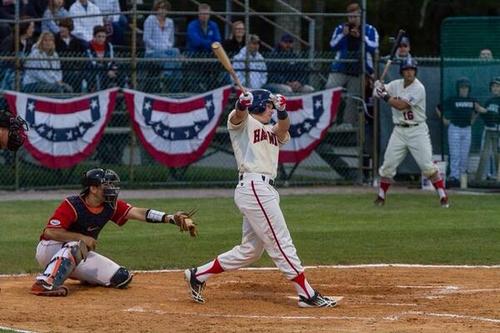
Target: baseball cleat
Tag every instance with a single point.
(444, 202)
(379, 201)
(42, 288)
(317, 301)
(195, 286)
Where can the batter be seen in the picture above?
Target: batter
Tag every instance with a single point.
(406, 97)
(256, 145)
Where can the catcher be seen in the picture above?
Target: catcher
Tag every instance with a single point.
(68, 243)
(12, 131)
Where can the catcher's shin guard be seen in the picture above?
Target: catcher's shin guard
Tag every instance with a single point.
(121, 278)
(62, 264)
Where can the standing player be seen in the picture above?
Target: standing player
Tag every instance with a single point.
(458, 116)
(12, 131)
(67, 245)
(406, 97)
(256, 147)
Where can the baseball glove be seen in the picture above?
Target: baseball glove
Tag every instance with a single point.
(185, 222)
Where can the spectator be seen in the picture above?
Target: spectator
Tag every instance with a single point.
(458, 116)
(289, 76)
(256, 70)
(201, 33)
(8, 47)
(103, 73)
(85, 25)
(236, 40)
(489, 151)
(43, 68)
(119, 23)
(54, 10)
(486, 54)
(403, 50)
(159, 41)
(346, 42)
(67, 45)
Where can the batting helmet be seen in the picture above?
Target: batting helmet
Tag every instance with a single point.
(408, 63)
(106, 177)
(260, 99)
(495, 80)
(463, 82)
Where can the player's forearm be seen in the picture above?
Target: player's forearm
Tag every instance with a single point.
(62, 235)
(398, 104)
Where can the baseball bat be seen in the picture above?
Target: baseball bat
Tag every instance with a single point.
(395, 46)
(224, 59)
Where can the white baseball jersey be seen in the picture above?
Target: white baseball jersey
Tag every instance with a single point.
(414, 94)
(255, 146)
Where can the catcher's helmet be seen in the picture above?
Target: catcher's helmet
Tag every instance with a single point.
(495, 80)
(260, 99)
(463, 82)
(106, 177)
(408, 63)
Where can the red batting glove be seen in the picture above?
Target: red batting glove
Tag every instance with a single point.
(279, 102)
(244, 101)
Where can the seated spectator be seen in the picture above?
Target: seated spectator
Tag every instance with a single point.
(256, 70)
(486, 54)
(287, 77)
(54, 11)
(67, 45)
(8, 47)
(403, 50)
(119, 23)
(102, 73)
(43, 68)
(236, 40)
(85, 25)
(201, 33)
(159, 39)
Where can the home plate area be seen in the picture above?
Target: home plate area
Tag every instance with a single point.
(375, 298)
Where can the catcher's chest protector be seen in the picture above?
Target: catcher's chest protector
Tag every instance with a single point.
(88, 223)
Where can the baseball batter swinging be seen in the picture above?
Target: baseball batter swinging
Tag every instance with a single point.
(406, 97)
(256, 145)
(68, 242)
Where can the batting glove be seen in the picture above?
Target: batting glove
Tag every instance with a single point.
(244, 101)
(378, 84)
(279, 102)
(382, 93)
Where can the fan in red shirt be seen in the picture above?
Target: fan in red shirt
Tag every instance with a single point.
(68, 242)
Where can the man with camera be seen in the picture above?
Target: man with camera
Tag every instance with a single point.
(346, 43)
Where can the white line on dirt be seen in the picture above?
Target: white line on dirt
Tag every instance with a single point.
(320, 266)
(14, 329)
(453, 315)
(222, 315)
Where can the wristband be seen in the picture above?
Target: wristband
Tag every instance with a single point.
(386, 98)
(155, 216)
(282, 114)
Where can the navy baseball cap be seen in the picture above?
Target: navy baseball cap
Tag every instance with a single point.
(287, 38)
(404, 41)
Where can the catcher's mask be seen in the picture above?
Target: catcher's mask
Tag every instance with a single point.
(109, 180)
(260, 99)
(17, 127)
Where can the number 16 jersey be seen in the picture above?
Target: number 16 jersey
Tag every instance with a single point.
(414, 95)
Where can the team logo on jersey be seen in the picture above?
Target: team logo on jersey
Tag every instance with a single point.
(310, 117)
(176, 132)
(63, 131)
(261, 134)
(55, 222)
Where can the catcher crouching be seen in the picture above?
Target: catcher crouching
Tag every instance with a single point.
(68, 243)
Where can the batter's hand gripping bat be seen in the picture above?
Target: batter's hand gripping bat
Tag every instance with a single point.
(224, 59)
(400, 35)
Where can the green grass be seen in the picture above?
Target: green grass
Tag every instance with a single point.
(326, 229)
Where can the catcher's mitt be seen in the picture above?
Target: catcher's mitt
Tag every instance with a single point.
(185, 222)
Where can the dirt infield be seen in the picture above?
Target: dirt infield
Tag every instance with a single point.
(375, 299)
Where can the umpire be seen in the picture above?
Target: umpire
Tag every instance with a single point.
(12, 131)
